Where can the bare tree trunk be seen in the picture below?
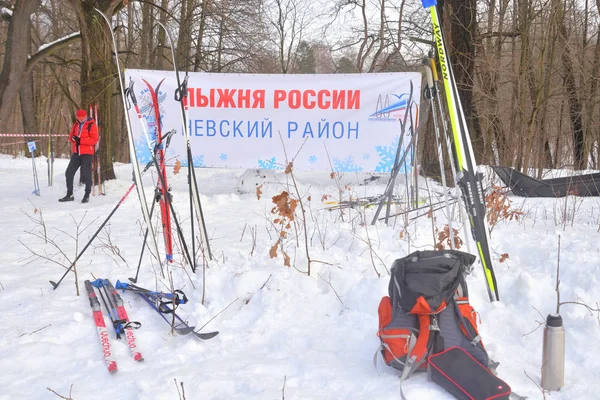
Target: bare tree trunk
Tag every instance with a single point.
(184, 37)
(545, 153)
(460, 19)
(162, 53)
(16, 53)
(381, 47)
(146, 46)
(593, 125)
(523, 15)
(199, 57)
(220, 48)
(515, 156)
(26, 97)
(575, 106)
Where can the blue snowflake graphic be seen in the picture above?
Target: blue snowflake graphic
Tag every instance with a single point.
(269, 164)
(198, 161)
(346, 165)
(312, 159)
(142, 152)
(223, 157)
(387, 155)
(366, 156)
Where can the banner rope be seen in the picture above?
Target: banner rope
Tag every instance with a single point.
(29, 135)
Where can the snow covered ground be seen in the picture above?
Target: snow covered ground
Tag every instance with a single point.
(283, 334)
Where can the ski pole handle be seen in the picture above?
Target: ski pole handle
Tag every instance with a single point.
(433, 69)
(181, 91)
(130, 93)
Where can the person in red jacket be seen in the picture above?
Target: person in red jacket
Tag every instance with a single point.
(83, 138)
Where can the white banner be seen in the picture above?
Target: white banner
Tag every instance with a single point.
(349, 122)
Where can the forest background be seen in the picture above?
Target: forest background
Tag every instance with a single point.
(527, 70)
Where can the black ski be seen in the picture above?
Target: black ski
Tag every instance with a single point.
(165, 304)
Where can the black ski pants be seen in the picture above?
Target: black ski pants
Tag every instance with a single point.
(85, 162)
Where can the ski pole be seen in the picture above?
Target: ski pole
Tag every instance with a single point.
(91, 115)
(181, 97)
(98, 154)
(55, 284)
(436, 128)
(415, 209)
(436, 94)
(49, 156)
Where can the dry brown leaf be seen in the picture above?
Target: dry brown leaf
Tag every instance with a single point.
(273, 250)
(293, 205)
(258, 192)
(177, 167)
(286, 259)
(35, 211)
(285, 205)
(332, 175)
(309, 198)
(503, 257)
(288, 168)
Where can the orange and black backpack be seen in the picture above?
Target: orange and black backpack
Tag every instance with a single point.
(428, 311)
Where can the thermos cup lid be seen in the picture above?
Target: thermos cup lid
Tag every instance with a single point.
(554, 320)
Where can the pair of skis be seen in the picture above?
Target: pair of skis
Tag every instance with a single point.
(165, 305)
(467, 178)
(162, 302)
(113, 305)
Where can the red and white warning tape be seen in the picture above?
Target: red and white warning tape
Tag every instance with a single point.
(28, 135)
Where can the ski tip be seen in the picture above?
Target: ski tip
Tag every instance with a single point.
(206, 336)
(132, 280)
(54, 285)
(185, 331)
(112, 367)
(138, 357)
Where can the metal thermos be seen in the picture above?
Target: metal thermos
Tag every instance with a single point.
(553, 356)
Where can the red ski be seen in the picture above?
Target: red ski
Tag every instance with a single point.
(109, 358)
(162, 191)
(122, 316)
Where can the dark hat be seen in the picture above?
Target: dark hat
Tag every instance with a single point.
(81, 114)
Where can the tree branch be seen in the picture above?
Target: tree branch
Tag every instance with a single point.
(47, 50)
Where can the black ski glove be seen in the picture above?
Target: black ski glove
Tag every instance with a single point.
(77, 139)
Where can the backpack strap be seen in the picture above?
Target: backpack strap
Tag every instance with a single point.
(411, 362)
